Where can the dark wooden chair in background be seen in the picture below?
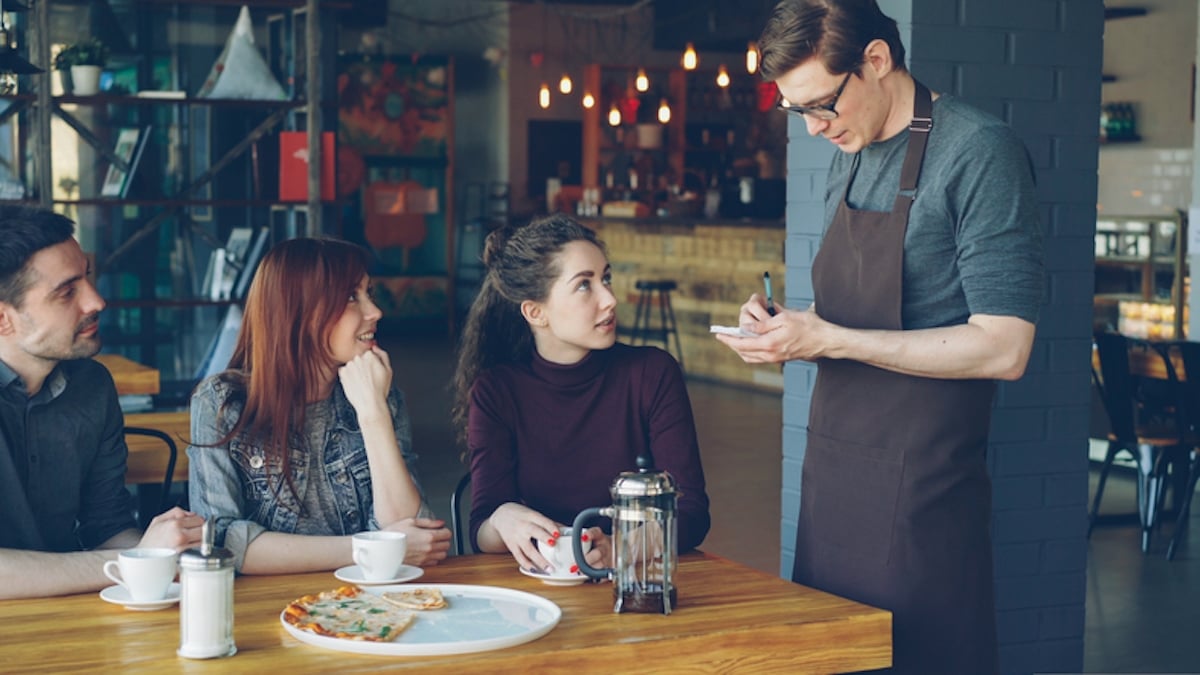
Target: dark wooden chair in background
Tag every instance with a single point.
(154, 499)
(459, 518)
(1187, 476)
(1143, 398)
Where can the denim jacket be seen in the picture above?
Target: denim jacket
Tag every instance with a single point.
(229, 483)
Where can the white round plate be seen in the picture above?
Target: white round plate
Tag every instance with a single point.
(552, 580)
(476, 619)
(117, 595)
(351, 574)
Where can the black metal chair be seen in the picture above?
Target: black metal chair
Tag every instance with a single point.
(457, 519)
(667, 329)
(1185, 483)
(145, 501)
(1143, 399)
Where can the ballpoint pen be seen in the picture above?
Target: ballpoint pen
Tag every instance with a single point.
(767, 286)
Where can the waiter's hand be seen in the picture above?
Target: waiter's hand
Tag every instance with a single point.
(788, 335)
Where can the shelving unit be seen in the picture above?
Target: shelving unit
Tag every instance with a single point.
(207, 168)
(1141, 259)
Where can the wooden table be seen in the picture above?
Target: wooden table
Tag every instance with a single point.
(730, 618)
(130, 376)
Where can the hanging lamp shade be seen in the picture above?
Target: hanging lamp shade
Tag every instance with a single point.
(641, 82)
(589, 101)
(12, 62)
(544, 96)
(752, 58)
(664, 111)
(565, 85)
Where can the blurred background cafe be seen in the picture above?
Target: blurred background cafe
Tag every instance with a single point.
(187, 136)
(186, 155)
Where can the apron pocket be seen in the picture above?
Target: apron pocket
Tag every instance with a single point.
(851, 492)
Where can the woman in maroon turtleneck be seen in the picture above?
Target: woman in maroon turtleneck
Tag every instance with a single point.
(552, 408)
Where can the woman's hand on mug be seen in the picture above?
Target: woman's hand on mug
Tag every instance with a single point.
(601, 554)
(428, 540)
(518, 526)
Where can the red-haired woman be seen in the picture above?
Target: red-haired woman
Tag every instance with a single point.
(304, 441)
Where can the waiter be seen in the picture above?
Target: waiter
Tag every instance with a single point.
(927, 287)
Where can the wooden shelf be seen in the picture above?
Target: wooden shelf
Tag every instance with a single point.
(1112, 13)
(171, 302)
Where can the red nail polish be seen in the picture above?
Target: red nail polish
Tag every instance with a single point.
(555, 534)
(574, 569)
(551, 541)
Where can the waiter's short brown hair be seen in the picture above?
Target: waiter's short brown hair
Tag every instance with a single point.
(835, 31)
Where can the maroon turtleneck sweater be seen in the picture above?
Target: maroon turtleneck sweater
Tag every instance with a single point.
(554, 437)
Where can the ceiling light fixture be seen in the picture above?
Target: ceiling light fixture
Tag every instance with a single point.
(614, 116)
(690, 60)
(722, 76)
(589, 101)
(641, 82)
(565, 85)
(664, 111)
(752, 57)
(544, 96)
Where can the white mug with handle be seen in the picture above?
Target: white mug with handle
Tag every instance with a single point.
(379, 554)
(145, 573)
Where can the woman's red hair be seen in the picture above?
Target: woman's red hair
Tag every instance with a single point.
(282, 358)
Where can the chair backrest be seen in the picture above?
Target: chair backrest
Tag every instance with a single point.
(1189, 356)
(458, 521)
(165, 502)
(1138, 385)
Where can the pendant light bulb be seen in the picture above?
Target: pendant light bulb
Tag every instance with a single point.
(544, 96)
(722, 77)
(752, 58)
(664, 111)
(589, 101)
(614, 116)
(565, 85)
(690, 60)
(642, 82)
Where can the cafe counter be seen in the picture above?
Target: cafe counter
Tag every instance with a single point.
(716, 263)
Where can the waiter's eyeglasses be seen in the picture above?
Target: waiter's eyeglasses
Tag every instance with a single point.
(821, 111)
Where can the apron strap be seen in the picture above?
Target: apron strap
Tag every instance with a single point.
(922, 123)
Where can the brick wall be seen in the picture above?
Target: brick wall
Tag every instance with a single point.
(1035, 64)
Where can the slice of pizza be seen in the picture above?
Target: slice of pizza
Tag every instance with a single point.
(418, 598)
(348, 613)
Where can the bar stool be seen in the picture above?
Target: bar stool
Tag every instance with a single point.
(666, 329)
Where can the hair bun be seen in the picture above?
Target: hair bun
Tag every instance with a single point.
(493, 246)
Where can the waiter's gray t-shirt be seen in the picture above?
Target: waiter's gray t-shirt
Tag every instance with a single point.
(973, 244)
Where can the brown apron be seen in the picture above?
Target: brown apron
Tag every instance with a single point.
(895, 498)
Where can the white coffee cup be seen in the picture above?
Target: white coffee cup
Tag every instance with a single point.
(561, 556)
(379, 554)
(145, 573)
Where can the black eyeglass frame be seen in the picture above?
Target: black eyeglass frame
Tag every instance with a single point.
(823, 111)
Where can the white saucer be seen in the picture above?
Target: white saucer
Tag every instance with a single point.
(555, 580)
(117, 595)
(352, 574)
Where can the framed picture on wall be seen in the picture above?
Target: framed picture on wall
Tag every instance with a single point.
(130, 143)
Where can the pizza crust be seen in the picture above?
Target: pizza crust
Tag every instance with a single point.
(350, 614)
(420, 599)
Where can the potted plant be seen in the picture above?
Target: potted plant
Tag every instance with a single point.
(84, 60)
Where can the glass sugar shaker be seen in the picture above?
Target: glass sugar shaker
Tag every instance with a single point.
(206, 601)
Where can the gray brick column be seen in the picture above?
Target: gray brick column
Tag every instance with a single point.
(1036, 64)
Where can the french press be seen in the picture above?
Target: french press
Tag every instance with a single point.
(644, 540)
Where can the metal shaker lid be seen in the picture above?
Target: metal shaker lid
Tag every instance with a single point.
(645, 482)
(207, 557)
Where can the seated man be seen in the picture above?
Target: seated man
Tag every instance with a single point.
(64, 509)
